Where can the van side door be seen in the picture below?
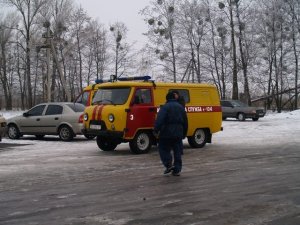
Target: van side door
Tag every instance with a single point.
(141, 113)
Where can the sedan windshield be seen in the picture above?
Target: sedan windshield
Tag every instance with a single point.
(111, 96)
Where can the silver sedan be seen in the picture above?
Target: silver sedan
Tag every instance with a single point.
(241, 111)
(54, 118)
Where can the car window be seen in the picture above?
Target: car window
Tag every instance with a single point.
(239, 104)
(226, 104)
(76, 107)
(36, 111)
(54, 110)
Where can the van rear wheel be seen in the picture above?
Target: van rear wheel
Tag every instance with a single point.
(141, 143)
(199, 138)
(106, 144)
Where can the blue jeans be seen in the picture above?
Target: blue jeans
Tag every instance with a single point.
(165, 146)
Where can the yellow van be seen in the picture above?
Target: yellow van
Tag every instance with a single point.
(86, 96)
(125, 111)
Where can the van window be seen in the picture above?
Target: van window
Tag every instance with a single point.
(184, 93)
(83, 98)
(142, 96)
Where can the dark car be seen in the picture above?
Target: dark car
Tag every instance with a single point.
(241, 111)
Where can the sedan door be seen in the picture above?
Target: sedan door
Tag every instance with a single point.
(228, 109)
(52, 118)
(30, 122)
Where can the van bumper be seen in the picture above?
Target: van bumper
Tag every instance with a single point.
(103, 133)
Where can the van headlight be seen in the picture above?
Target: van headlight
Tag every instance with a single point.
(85, 117)
(111, 117)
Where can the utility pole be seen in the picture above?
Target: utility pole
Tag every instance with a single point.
(48, 67)
(47, 36)
(50, 47)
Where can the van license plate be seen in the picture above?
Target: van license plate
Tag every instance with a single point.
(95, 127)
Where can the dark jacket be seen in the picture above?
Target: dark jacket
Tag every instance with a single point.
(171, 121)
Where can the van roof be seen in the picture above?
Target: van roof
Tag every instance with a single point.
(157, 84)
(91, 87)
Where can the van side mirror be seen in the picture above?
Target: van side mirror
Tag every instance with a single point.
(25, 114)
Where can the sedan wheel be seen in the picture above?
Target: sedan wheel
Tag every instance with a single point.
(13, 132)
(241, 117)
(66, 133)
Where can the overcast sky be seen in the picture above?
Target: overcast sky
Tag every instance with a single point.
(127, 11)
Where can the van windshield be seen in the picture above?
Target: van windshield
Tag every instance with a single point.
(83, 98)
(111, 96)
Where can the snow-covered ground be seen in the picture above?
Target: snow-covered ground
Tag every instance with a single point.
(274, 128)
(248, 175)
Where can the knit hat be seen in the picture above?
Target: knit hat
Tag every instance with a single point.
(175, 92)
(170, 96)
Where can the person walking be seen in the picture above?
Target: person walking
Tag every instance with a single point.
(171, 126)
(181, 101)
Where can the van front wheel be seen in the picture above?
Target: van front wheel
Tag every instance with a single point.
(199, 138)
(106, 144)
(141, 143)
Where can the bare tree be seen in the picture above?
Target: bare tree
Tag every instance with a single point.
(28, 10)
(294, 13)
(192, 20)
(6, 34)
(120, 48)
(60, 16)
(161, 19)
(99, 47)
(80, 21)
(243, 52)
(235, 90)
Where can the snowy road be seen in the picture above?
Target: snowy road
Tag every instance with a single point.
(249, 175)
